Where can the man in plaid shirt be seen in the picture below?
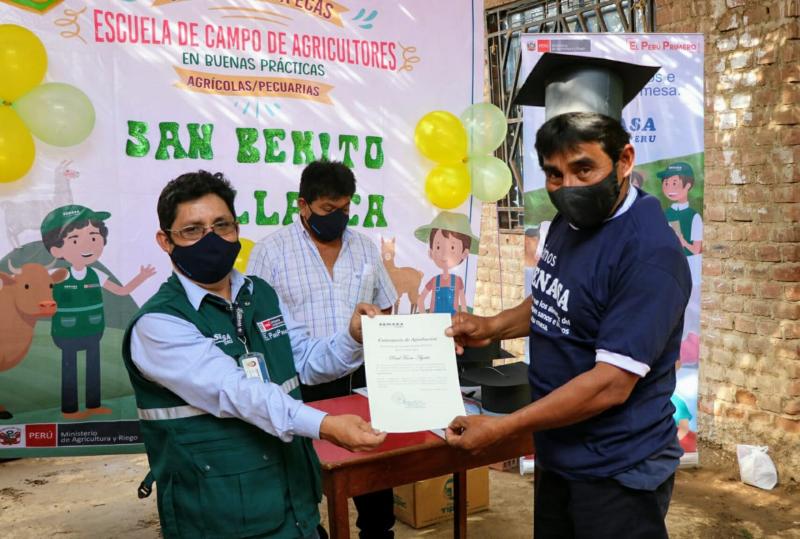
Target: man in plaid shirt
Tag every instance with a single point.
(321, 270)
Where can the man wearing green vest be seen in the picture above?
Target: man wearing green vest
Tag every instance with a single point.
(78, 236)
(216, 367)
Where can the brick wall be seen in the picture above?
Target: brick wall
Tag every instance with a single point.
(750, 351)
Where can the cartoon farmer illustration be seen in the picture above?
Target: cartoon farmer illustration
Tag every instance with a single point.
(78, 236)
(450, 242)
(676, 182)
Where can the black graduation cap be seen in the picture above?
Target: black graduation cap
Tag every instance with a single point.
(564, 83)
(504, 389)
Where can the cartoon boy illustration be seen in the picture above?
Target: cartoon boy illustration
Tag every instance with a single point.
(450, 242)
(78, 235)
(676, 182)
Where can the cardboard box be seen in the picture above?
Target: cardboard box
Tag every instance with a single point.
(426, 502)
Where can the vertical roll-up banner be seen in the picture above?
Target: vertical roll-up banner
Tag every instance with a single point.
(111, 99)
(665, 121)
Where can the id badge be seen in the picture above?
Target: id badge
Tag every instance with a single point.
(254, 365)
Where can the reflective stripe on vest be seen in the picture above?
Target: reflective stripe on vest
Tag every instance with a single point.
(181, 412)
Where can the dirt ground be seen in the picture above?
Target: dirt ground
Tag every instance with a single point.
(95, 497)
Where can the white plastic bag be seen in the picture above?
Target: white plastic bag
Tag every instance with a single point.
(755, 466)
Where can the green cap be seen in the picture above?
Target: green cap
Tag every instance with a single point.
(676, 169)
(60, 218)
(452, 222)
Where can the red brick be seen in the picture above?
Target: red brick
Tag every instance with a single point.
(786, 114)
(794, 389)
(768, 328)
(770, 290)
(786, 272)
(792, 292)
(790, 329)
(714, 213)
(745, 288)
(721, 321)
(791, 213)
(791, 426)
(759, 308)
(790, 253)
(712, 267)
(786, 193)
(745, 324)
(786, 311)
(789, 136)
(733, 304)
(768, 253)
(792, 407)
(785, 234)
(746, 398)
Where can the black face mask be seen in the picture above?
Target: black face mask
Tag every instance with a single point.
(587, 206)
(328, 227)
(208, 260)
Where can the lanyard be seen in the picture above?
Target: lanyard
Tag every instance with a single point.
(237, 313)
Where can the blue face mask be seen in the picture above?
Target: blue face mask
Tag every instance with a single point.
(328, 227)
(208, 260)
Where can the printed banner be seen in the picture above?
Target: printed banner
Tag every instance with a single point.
(155, 88)
(666, 125)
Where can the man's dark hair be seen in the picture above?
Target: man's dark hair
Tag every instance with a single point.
(330, 179)
(191, 186)
(565, 132)
(55, 237)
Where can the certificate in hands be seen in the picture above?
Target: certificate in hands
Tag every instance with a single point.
(411, 372)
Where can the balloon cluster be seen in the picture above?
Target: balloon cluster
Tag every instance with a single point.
(57, 113)
(461, 147)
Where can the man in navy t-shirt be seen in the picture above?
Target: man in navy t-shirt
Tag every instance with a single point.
(605, 318)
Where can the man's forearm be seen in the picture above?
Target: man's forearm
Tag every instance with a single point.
(512, 323)
(584, 396)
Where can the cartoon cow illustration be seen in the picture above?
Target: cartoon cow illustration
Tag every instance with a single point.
(22, 215)
(26, 294)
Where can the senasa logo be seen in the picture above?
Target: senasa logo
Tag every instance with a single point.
(10, 436)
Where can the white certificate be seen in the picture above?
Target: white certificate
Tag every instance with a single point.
(411, 372)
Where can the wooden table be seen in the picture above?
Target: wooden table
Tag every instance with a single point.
(401, 459)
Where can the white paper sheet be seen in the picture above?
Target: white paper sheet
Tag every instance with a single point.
(411, 372)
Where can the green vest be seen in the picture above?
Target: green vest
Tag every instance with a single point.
(80, 307)
(225, 477)
(684, 218)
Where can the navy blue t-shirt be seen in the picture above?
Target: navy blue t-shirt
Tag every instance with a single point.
(615, 294)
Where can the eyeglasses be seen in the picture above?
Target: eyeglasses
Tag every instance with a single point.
(195, 232)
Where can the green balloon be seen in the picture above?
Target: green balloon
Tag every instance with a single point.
(57, 113)
(491, 177)
(486, 128)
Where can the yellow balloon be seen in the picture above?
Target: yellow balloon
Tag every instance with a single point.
(244, 254)
(441, 137)
(16, 146)
(23, 61)
(448, 186)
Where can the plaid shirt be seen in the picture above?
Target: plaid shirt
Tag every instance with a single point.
(289, 261)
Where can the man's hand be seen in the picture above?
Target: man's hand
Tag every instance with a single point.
(474, 433)
(469, 330)
(351, 432)
(355, 320)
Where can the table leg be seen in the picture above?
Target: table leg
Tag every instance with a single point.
(338, 517)
(460, 504)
